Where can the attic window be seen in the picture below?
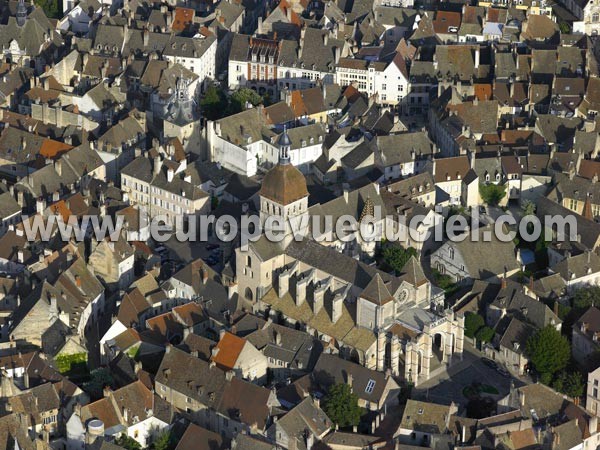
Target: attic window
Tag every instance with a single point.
(370, 387)
(420, 411)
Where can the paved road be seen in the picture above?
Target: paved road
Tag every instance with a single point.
(98, 329)
(449, 386)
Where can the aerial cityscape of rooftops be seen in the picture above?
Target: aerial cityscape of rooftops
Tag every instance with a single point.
(299, 225)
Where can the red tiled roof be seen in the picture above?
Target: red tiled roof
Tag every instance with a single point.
(51, 148)
(183, 19)
(229, 348)
(445, 19)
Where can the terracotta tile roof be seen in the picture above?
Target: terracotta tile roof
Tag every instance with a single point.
(483, 91)
(523, 439)
(142, 248)
(284, 6)
(588, 169)
(351, 93)
(516, 137)
(190, 314)
(166, 325)
(228, 350)
(183, 19)
(493, 15)
(51, 148)
(102, 410)
(297, 104)
(454, 168)
(132, 305)
(444, 20)
(61, 208)
(197, 438)
(127, 339)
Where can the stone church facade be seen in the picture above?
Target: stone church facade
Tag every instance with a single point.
(381, 321)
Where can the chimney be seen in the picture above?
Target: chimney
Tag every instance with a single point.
(318, 298)
(336, 308)
(522, 397)
(301, 284)
(170, 175)
(156, 165)
(349, 379)
(277, 336)
(40, 205)
(106, 391)
(58, 167)
(593, 424)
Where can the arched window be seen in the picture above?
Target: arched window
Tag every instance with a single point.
(248, 261)
(595, 17)
(451, 252)
(248, 293)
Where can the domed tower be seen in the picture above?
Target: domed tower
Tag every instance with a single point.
(283, 192)
(21, 13)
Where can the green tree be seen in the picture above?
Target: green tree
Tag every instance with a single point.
(473, 322)
(128, 442)
(341, 406)
(396, 257)
(51, 8)
(528, 207)
(485, 334)
(549, 352)
(569, 383)
(586, 297)
(241, 97)
(99, 379)
(214, 103)
(165, 441)
(564, 27)
(492, 194)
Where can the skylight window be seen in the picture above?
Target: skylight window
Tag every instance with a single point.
(370, 387)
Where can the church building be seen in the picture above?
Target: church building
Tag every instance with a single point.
(379, 320)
